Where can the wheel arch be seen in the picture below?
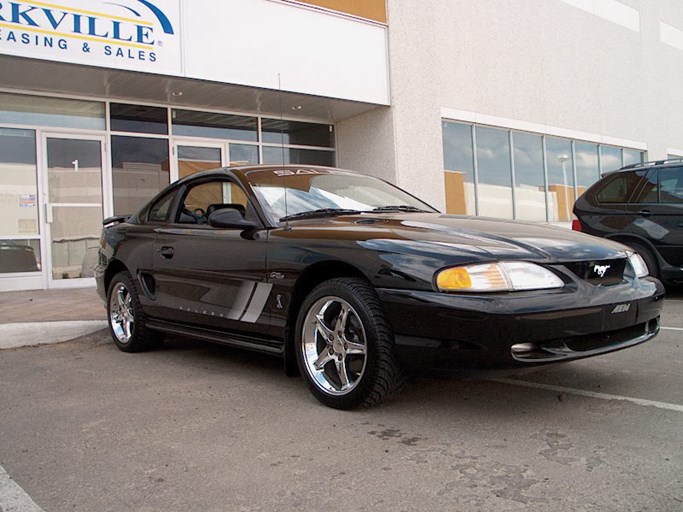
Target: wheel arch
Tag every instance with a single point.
(113, 268)
(628, 238)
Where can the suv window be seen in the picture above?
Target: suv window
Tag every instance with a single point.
(620, 188)
(671, 185)
(160, 211)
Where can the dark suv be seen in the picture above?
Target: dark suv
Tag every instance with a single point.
(640, 205)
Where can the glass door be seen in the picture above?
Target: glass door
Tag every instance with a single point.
(74, 207)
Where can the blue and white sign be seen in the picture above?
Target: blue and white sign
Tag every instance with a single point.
(140, 35)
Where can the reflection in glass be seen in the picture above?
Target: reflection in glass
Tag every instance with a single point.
(529, 181)
(274, 155)
(242, 154)
(140, 170)
(560, 179)
(633, 156)
(494, 173)
(18, 189)
(75, 233)
(138, 118)
(610, 158)
(192, 159)
(587, 169)
(19, 256)
(671, 185)
(39, 110)
(74, 171)
(214, 126)
(297, 133)
(459, 166)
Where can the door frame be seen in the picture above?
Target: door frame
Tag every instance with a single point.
(43, 190)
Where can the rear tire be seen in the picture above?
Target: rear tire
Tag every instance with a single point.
(345, 347)
(127, 322)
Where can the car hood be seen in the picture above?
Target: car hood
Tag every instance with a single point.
(464, 237)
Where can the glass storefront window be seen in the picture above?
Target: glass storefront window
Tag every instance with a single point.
(297, 133)
(633, 156)
(587, 168)
(243, 154)
(275, 155)
(529, 180)
(458, 160)
(43, 111)
(140, 170)
(193, 159)
(18, 202)
(18, 187)
(494, 184)
(560, 178)
(610, 158)
(214, 126)
(138, 119)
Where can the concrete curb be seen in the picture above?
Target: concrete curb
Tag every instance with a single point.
(43, 333)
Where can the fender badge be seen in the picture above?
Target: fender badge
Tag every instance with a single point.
(277, 275)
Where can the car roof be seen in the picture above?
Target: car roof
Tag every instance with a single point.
(644, 165)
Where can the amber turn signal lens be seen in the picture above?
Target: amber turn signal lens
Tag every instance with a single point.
(454, 279)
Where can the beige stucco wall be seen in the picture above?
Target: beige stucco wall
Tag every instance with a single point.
(535, 61)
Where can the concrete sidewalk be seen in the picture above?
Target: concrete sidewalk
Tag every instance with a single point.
(49, 316)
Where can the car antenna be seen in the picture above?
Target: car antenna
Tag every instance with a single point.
(282, 146)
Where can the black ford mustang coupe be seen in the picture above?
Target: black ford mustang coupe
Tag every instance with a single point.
(356, 282)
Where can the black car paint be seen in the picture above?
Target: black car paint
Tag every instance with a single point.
(652, 224)
(198, 290)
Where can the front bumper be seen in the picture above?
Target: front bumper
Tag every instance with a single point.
(443, 333)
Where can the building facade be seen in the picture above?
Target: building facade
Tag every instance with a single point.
(496, 107)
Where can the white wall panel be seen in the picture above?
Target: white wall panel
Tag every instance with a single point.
(249, 42)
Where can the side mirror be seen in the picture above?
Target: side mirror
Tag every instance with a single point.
(229, 218)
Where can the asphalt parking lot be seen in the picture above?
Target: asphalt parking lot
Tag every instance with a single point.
(203, 427)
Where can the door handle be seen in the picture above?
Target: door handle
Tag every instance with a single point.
(645, 213)
(166, 252)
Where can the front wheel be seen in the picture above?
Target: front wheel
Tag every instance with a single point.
(344, 345)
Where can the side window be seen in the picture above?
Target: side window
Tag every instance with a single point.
(649, 192)
(203, 199)
(671, 185)
(160, 211)
(620, 188)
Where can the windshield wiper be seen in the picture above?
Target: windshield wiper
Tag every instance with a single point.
(322, 212)
(398, 208)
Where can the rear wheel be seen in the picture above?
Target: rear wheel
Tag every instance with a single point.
(127, 323)
(344, 345)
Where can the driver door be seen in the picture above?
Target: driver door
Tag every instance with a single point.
(212, 277)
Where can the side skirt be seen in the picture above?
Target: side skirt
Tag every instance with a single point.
(263, 345)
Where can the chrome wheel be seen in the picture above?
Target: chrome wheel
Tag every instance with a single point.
(121, 313)
(334, 346)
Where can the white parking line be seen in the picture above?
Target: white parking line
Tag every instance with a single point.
(13, 498)
(591, 394)
(672, 328)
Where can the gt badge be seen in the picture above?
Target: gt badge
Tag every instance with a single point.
(621, 308)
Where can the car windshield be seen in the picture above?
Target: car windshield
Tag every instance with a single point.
(319, 192)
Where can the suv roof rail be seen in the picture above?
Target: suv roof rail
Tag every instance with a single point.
(653, 162)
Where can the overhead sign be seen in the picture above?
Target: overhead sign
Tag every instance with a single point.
(140, 35)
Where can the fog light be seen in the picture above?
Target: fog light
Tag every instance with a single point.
(521, 348)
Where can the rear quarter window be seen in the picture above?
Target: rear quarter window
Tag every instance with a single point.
(160, 211)
(619, 189)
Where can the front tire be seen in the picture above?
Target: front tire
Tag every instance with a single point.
(127, 322)
(344, 345)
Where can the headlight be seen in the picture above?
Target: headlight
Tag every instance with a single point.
(638, 264)
(497, 277)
